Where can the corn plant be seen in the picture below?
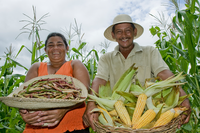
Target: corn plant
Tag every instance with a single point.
(181, 51)
(10, 120)
(33, 27)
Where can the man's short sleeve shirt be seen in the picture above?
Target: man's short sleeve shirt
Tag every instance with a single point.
(113, 64)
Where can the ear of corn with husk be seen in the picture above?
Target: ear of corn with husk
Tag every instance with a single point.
(134, 106)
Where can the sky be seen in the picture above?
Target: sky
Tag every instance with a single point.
(94, 16)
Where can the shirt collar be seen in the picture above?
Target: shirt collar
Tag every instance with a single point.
(137, 48)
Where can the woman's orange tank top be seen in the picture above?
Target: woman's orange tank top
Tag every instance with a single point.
(72, 119)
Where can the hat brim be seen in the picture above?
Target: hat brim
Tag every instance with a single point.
(108, 31)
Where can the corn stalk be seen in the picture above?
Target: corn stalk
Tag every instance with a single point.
(181, 51)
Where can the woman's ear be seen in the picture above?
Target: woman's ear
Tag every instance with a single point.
(45, 50)
(67, 48)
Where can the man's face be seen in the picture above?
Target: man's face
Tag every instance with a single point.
(124, 34)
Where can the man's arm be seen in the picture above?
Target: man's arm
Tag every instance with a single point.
(89, 117)
(185, 118)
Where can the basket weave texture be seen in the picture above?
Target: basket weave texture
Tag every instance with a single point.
(36, 103)
(168, 128)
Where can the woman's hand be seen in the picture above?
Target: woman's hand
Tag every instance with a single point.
(31, 118)
(48, 118)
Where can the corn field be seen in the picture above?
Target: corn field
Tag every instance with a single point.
(179, 46)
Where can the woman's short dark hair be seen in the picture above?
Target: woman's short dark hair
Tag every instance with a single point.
(113, 28)
(56, 34)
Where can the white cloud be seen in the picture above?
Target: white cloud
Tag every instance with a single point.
(94, 16)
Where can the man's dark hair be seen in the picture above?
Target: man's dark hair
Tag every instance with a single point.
(53, 34)
(113, 28)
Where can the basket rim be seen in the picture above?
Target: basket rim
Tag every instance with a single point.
(36, 103)
(173, 124)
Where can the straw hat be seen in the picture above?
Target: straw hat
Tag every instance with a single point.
(122, 18)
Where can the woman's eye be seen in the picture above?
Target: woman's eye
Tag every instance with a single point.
(60, 45)
(50, 46)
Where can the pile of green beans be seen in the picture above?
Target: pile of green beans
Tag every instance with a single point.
(51, 88)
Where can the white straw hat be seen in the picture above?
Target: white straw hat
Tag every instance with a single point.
(122, 18)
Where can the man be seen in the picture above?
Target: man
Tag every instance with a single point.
(113, 64)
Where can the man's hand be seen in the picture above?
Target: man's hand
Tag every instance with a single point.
(186, 116)
(88, 117)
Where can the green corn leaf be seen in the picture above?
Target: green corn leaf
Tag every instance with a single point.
(132, 104)
(102, 120)
(81, 46)
(121, 78)
(136, 90)
(128, 96)
(108, 118)
(124, 84)
(172, 95)
(77, 51)
(182, 98)
(104, 103)
(163, 93)
(161, 85)
(105, 91)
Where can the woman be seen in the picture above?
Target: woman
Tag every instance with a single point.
(57, 120)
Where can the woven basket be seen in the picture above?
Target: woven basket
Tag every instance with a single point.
(168, 128)
(36, 103)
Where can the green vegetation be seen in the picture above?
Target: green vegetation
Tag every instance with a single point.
(179, 46)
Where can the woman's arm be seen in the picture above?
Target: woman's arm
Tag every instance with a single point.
(31, 118)
(80, 72)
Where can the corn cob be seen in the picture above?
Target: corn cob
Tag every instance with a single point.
(103, 110)
(165, 118)
(178, 111)
(140, 105)
(122, 112)
(106, 116)
(146, 118)
(113, 112)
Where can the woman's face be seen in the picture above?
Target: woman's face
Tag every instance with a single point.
(56, 49)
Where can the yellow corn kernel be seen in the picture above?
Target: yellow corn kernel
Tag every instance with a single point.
(113, 112)
(103, 110)
(122, 112)
(165, 118)
(178, 111)
(140, 105)
(145, 119)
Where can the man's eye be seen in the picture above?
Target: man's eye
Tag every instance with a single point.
(118, 32)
